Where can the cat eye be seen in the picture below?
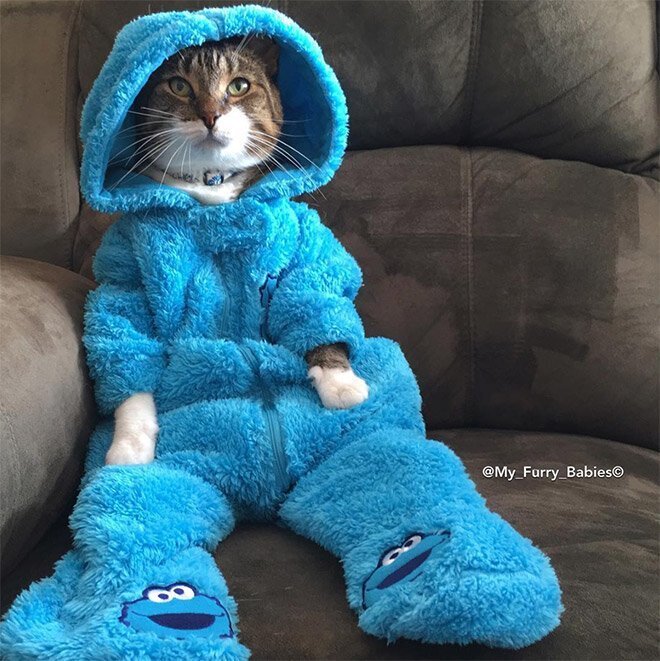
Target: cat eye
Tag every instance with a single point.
(180, 86)
(238, 87)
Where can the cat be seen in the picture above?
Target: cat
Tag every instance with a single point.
(209, 122)
(209, 118)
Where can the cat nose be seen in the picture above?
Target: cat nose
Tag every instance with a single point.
(209, 119)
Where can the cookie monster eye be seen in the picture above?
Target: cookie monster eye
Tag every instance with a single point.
(391, 556)
(159, 596)
(411, 542)
(183, 591)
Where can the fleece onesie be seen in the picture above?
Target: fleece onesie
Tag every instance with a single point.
(212, 309)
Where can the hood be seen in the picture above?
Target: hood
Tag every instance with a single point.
(311, 97)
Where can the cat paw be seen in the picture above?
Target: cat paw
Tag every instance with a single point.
(131, 450)
(338, 388)
(136, 427)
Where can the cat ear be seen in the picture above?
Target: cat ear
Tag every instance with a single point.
(268, 51)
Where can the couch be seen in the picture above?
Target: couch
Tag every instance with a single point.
(501, 195)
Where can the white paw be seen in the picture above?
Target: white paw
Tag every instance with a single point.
(130, 450)
(136, 427)
(338, 388)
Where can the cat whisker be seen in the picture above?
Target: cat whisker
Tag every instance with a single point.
(126, 159)
(130, 171)
(277, 164)
(293, 135)
(152, 115)
(167, 144)
(296, 164)
(281, 167)
(278, 146)
(259, 153)
(137, 127)
(145, 140)
(171, 159)
(154, 159)
(292, 121)
(183, 157)
(255, 155)
(160, 149)
(241, 46)
(282, 152)
(288, 146)
(162, 112)
(302, 170)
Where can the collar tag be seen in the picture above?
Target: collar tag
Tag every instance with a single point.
(211, 179)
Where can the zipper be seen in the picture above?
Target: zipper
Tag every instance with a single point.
(226, 304)
(224, 322)
(273, 426)
(272, 417)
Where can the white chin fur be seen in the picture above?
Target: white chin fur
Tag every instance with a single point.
(192, 152)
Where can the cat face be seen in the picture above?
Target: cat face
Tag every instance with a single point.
(211, 107)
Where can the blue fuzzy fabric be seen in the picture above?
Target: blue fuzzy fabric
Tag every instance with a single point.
(212, 309)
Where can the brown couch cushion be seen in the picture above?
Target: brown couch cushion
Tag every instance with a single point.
(46, 401)
(602, 537)
(523, 291)
(40, 197)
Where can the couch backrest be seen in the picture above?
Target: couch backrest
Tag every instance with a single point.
(570, 79)
(564, 79)
(40, 199)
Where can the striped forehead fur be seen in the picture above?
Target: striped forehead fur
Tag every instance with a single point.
(209, 68)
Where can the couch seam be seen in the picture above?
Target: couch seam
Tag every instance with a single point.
(468, 256)
(473, 63)
(64, 121)
(656, 41)
(75, 119)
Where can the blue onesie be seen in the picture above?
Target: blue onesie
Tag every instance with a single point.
(212, 309)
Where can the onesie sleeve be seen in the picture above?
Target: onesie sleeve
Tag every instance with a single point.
(123, 353)
(313, 301)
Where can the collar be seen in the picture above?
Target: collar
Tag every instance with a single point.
(209, 178)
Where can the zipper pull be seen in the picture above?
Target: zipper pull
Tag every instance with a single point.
(266, 291)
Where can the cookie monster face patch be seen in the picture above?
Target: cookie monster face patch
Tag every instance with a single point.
(402, 563)
(177, 610)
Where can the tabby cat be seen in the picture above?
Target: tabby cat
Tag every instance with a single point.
(209, 122)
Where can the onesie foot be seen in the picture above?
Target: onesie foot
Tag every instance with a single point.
(140, 582)
(436, 586)
(424, 558)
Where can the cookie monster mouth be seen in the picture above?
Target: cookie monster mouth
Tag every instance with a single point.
(183, 620)
(405, 570)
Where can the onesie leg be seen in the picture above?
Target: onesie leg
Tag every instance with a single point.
(423, 556)
(140, 582)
